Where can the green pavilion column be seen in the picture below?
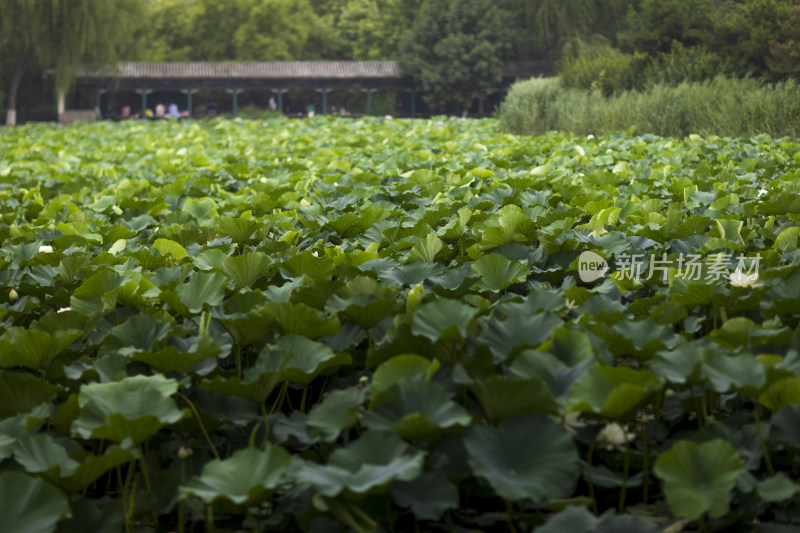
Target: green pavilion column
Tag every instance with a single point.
(280, 100)
(142, 113)
(235, 103)
(144, 93)
(99, 103)
(189, 101)
(369, 101)
(324, 101)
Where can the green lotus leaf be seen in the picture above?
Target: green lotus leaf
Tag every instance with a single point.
(97, 294)
(91, 467)
(136, 407)
(256, 388)
(338, 412)
(730, 229)
(611, 392)
(508, 337)
(412, 274)
(777, 488)
(296, 359)
(547, 470)
(374, 461)
(781, 393)
(416, 409)
(364, 309)
(426, 249)
(21, 392)
(95, 516)
(210, 259)
(246, 320)
(509, 220)
(138, 332)
(30, 504)
(699, 478)
(202, 289)
(306, 264)
(742, 373)
(22, 424)
(682, 364)
(170, 248)
(787, 239)
(6, 446)
(245, 269)
(580, 520)
(192, 351)
(300, 319)
(496, 272)
(33, 348)
(504, 398)
(249, 476)
(444, 319)
(428, 496)
(80, 230)
(41, 454)
(203, 210)
(239, 229)
(397, 368)
(786, 427)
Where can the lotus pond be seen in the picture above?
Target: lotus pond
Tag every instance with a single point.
(389, 325)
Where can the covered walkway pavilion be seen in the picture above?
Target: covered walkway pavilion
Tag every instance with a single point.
(236, 76)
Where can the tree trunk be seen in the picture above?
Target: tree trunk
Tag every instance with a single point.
(20, 66)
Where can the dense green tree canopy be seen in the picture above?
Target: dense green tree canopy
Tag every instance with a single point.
(59, 34)
(455, 50)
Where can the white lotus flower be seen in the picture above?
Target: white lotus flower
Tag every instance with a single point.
(614, 436)
(46, 249)
(262, 179)
(762, 192)
(572, 423)
(63, 310)
(740, 279)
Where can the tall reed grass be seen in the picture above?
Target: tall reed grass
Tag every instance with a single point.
(720, 106)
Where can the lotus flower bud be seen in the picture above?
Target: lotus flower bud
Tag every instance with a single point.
(184, 452)
(12, 295)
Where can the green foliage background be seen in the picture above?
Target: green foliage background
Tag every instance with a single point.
(453, 47)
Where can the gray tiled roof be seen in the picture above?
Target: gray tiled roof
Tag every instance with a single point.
(221, 70)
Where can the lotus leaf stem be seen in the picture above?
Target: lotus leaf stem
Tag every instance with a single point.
(200, 422)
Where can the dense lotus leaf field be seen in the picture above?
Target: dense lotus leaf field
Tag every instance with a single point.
(391, 325)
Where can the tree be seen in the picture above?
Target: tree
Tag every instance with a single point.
(61, 34)
(784, 53)
(455, 50)
(656, 24)
(746, 32)
(375, 29)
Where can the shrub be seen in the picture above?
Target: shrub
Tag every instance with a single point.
(681, 64)
(607, 70)
(721, 106)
